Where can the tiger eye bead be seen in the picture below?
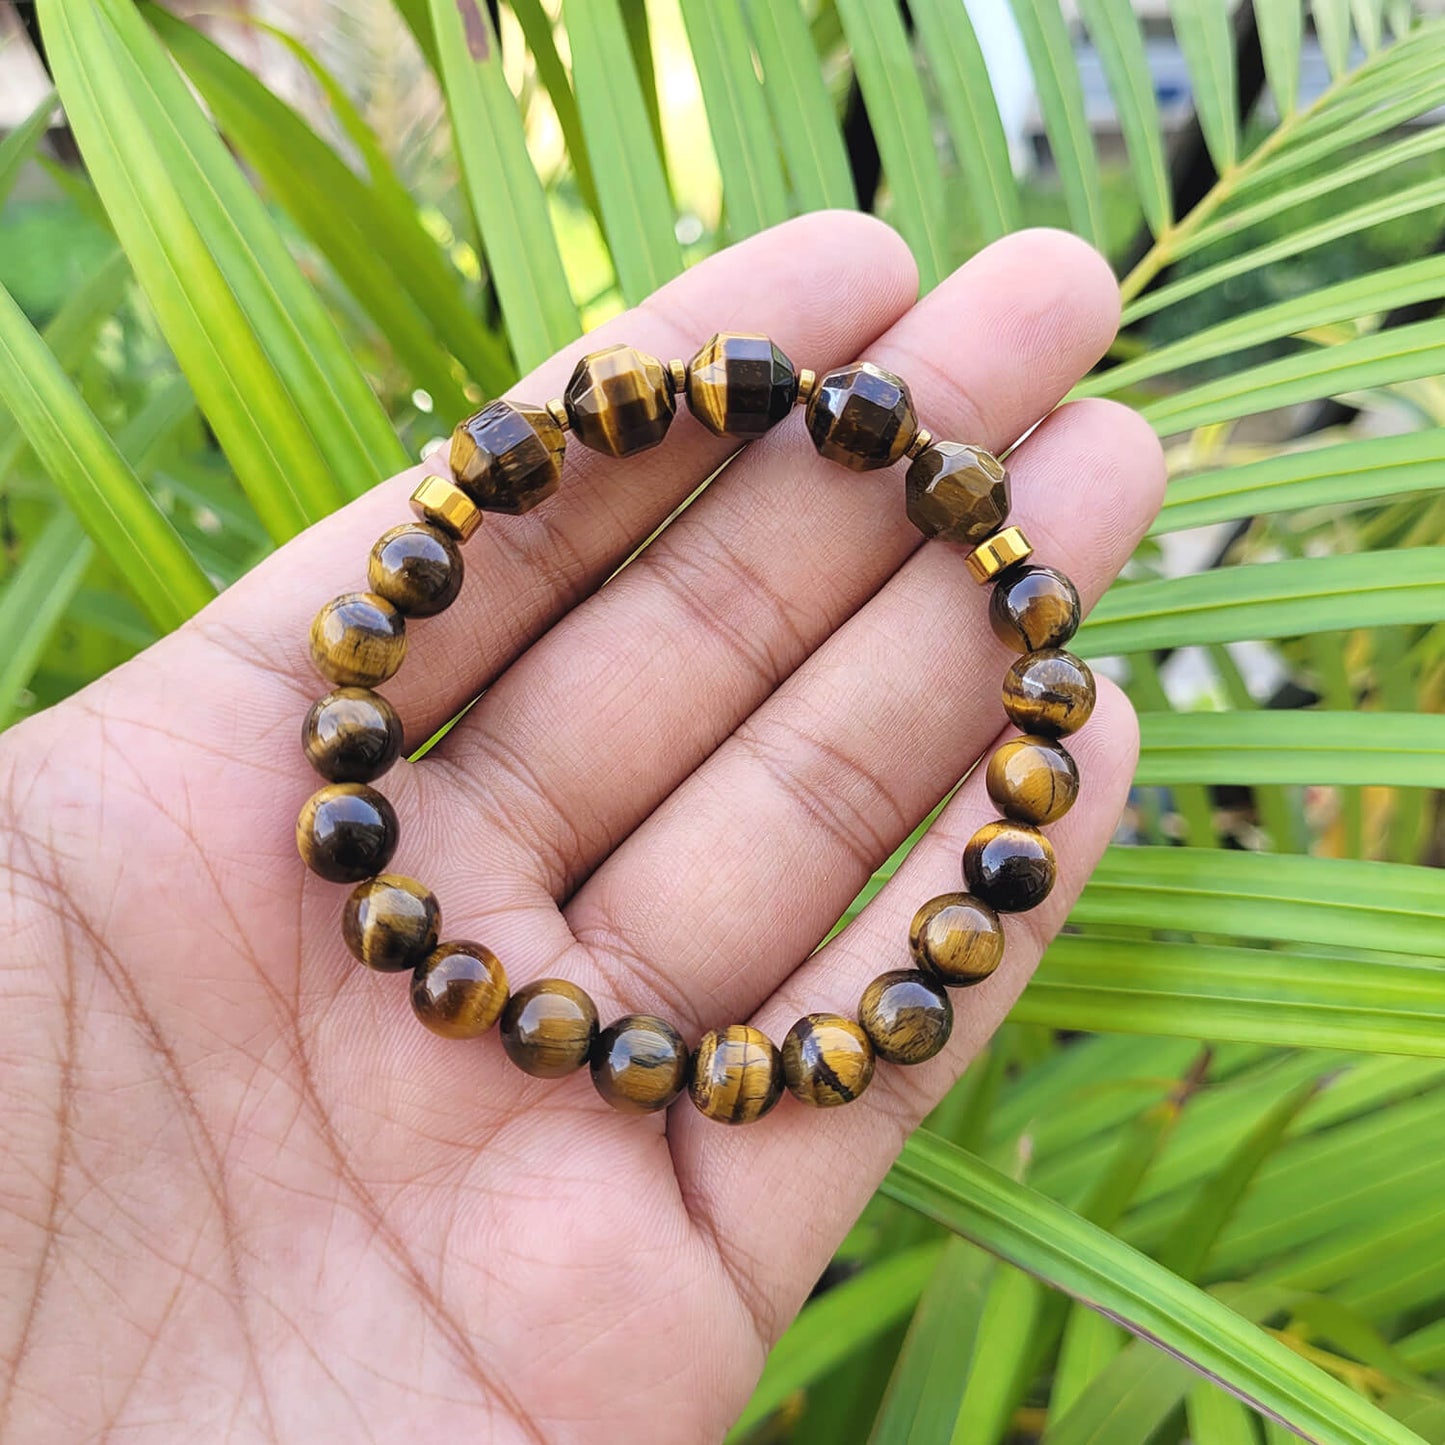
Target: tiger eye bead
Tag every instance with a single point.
(639, 1064)
(459, 990)
(1032, 780)
(1033, 608)
(508, 457)
(906, 1015)
(737, 1075)
(358, 639)
(957, 939)
(346, 832)
(418, 569)
(352, 735)
(956, 492)
(827, 1060)
(391, 922)
(739, 385)
(861, 417)
(1050, 693)
(620, 401)
(548, 1028)
(1010, 866)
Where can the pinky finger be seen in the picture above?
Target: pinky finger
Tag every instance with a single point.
(778, 1197)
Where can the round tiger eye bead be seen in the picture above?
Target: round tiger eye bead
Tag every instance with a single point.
(957, 492)
(391, 922)
(827, 1060)
(459, 989)
(346, 832)
(1050, 693)
(1011, 866)
(957, 939)
(548, 1028)
(1032, 608)
(906, 1015)
(508, 457)
(418, 569)
(352, 735)
(1033, 780)
(620, 401)
(739, 385)
(861, 417)
(737, 1075)
(358, 639)
(639, 1064)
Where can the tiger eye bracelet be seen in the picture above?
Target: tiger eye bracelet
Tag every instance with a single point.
(508, 458)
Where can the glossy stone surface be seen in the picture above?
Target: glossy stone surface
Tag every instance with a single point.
(956, 938)
(390, 923)
(740, 385)
(352, 735)
(861, 417)
(1032, 780)
(1032, 608)
(346, 832)
(639, 1064)
(417, 568)
(459, 989)
(737, 1075)
(1011, 866)
(956, 492)
(827, 1060)
(508, 457)
(1050, 693)
(548, 1028)
(620, 401)
(358, 640)
(906, 1015)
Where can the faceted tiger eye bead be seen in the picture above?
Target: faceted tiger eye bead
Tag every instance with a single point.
(861, 417)
(1033, 780)
(1048, 692)
(1009, 865)
(358, 639)
(548, 1028)
(737, 1075)
(346, 832)
(957, 939)
(391, 922)
(906, 1015)
(418, 569)
(740, 384)
(508, 457)
(827, 1060)
(459, 989)
(639, 1064)
(957, 492)
(352, 735)
(1032, 608)
(620, 401)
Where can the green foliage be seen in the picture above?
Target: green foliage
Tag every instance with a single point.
(1262, 1212)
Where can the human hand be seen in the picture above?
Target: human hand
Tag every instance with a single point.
(244, 1195)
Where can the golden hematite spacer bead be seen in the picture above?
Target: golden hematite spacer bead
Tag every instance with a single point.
(1003, 550)
(807, 380)
(677, 374)
(445, 505)
(557, 410)
(922, 440)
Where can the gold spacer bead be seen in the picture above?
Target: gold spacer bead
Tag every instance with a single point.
(557, 410)
(922, 440)
(677, 370)
(1000, 552)
(445, 505)
(807, 380)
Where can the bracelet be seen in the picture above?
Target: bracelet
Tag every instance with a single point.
(508, 458)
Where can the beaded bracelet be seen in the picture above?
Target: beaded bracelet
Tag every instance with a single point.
(508, 458)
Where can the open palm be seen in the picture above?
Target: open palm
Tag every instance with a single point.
(243, 1194)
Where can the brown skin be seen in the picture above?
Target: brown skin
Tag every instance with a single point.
(244, 1194)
